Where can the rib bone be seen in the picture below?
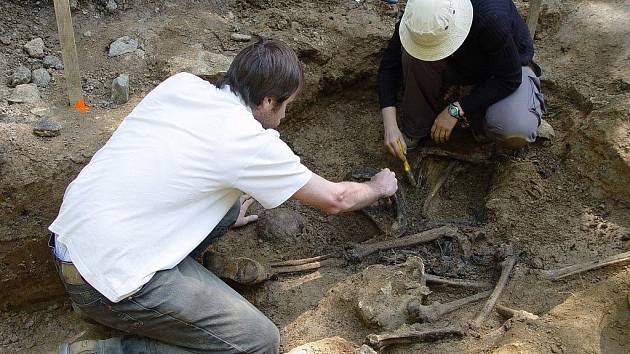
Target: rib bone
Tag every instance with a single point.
(430, 313)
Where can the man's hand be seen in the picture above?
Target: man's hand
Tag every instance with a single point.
(242, 220)
(443, 126)
(392, 133)
(384, 182)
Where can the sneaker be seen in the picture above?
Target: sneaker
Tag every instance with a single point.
(79, 347)
(244, 271)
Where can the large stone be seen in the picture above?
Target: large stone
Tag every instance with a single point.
(120, 89)
(35, 48)
(326, 345)
(279, 225)
(21, 75)
(123, 45)
(41, 77)
(27, 93)
(202, 63)
(51, 61)
(47, 128)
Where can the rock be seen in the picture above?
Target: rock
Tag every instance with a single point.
(545, 130)
(365, 349)
(6, 40)
(111, 6)
(120, 89)
(74, 4)
(21, 75)
(197, 61)
(538, 263)
(47, 128)
(51, 61)
(35, 48)
(140, 53)
(41, 77)
(279, 225)
(27, 93)
(123, 45)
(326, 345)
(87, 34)
(238, 37)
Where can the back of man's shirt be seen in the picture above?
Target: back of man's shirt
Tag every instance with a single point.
(165, 178)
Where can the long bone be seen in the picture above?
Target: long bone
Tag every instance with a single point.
(509, 259)
(435, 311)
(361, 251)
(381, 341)
(558, 274)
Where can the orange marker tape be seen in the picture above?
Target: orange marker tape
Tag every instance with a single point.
(81, 106)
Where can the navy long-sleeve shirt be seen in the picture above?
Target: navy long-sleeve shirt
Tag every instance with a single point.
(491, 57)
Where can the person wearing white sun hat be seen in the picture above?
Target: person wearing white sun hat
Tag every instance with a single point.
(441, 44)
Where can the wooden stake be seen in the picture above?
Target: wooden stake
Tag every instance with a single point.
(69, 52)
(532, 15)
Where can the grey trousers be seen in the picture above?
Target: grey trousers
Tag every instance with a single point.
(186, 309)
(517, 115)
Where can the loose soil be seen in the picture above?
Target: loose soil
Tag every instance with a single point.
(557, 202)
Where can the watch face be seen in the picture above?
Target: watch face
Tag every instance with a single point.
(453, 110)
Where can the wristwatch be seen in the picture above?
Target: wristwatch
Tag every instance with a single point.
(453, 110)
(456, 113)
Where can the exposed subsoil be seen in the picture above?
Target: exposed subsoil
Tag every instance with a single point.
(558, 202)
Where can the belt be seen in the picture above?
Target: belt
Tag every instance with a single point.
(70, 274)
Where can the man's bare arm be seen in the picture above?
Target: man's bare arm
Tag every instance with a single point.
(334, 198)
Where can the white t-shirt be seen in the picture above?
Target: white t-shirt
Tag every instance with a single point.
(165, 178)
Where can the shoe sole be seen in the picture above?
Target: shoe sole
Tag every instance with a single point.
(244, 271)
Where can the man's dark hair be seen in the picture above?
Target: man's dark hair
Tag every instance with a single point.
(266, 68)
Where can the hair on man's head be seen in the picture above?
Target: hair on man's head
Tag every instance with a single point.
(268, 68)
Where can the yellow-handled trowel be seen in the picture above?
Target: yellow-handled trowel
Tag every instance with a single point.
(406, 166)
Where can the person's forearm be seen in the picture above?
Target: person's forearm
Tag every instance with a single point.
(389, 115)
(355, 196)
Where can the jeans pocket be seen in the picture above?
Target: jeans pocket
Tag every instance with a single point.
(83, 295)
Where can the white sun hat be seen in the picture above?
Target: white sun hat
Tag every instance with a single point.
(432, 30)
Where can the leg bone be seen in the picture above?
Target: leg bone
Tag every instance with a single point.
(380, 341)
(436, 310)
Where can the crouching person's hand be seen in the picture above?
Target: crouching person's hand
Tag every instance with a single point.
(243, 219)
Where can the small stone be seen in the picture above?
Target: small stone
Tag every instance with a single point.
(27, 93)
(140, 53)
(74, 4)
(556, 348)
(47, 128)
(538, 263)
(120, 89)
(365, 349)
(29, 324)
(123, 45)
(35, 48)
(239, 37)
(41, 77)
(21, 75)
(51, 61)
(111, 6)
(279, 225)
(6, 40)
(87, 34)
(545, 130)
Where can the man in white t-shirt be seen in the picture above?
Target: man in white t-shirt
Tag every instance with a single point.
(166, 184)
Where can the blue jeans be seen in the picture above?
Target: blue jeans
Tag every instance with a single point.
(186, 309)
